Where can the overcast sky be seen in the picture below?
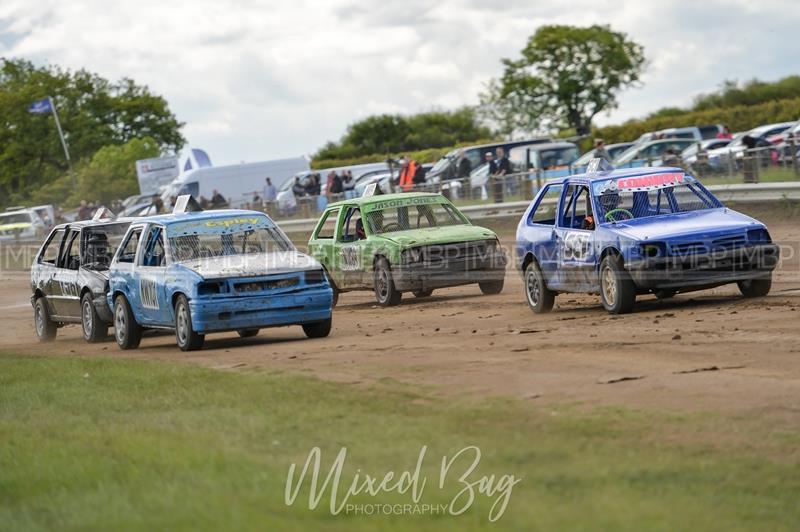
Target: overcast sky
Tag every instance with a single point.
(256, 80)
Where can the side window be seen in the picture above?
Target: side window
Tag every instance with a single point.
(475, 158)
(71, 256)
(50, 252)
(569, 205)
(128, 251)
(154, 248)
(328, 226)
(545, 211)
(353, 226)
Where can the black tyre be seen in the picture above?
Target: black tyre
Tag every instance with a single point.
(755, 287)
(94, 329)
(185, 336)
(422, 293)
(127, 332)
(617, 290)
(385, 291)
(319, 329)
(492, 287)
(247, 333)
(539, 297)
(45, 329)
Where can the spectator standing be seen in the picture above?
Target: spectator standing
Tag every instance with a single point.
(725, 133)
(464, 167)
(407, 172)
(297, 188)
(502, 168)
(218, 201)
(335, 183)
(600, 151)
(348, 184)
(85, 212)
(269, 193)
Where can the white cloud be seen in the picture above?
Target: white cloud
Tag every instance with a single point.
(256, 79)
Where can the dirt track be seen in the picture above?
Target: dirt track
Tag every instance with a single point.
(458, 341)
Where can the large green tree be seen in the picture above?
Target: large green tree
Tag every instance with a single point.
(397, 133)
(565, 76)
(94, 113)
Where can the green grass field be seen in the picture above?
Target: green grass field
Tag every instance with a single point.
(110, 444)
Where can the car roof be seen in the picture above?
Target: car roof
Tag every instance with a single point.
(613, 174)
(385, 197)
(80, 224)
(168, 219)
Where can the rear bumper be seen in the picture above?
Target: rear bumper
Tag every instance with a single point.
(101, 307)
(453, 272)
(256, 312)
(713, 268)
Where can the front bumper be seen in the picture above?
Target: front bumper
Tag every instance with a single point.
(257, 312)
(452, 272)
(704, 269)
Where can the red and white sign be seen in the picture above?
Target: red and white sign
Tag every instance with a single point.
(650, 182)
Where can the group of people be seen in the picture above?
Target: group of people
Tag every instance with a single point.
(336, 183)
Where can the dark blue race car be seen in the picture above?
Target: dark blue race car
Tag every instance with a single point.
(620, 233)
(204, 272)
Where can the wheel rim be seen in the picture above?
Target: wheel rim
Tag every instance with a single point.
(609, 286)
(39, 318)
(182, 327)
(119, 322)
(533, 289)
(383, 285)
(88, 324)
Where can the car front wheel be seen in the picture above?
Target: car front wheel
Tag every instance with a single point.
(94, 329)
(385, 291)
(492, 287)
(247, 333)
(127, 332)
(617, 290)
(45, 329)
(187, 338)
(540, 298)
(755, 287)
(319, 329)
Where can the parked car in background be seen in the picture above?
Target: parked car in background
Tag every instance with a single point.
(689, 132)
(411, 242)
(69, 278)
(689, 155)
(613, 151)
(621, 233)
(140, 209)
(446, 169)
(718, 158)
(21, 223)
(201, 272)
(650, 153)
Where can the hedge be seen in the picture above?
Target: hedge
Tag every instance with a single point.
(737, 118)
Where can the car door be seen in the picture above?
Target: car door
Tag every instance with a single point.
(150, 271)
(68, 303)
(323, 243)
(576, 255)
(352, 245)
(124, 264)
(46, 268)
(540, 230)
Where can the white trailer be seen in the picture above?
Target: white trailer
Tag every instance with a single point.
(239, 183)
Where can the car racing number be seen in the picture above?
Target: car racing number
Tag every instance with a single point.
(576, 246)
(351, 258)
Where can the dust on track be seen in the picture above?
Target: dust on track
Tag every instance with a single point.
(703, 351)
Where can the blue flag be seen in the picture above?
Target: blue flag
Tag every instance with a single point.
(40, 107)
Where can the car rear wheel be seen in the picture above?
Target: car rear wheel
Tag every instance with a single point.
(247, 333)
(755, 287)
(46, 330)
(186, 337)
(127, 332)
(422, 293)
(617, 290)
(94, 329)
(319, 329)
(539, 297)
(385, 291)
(492, 287)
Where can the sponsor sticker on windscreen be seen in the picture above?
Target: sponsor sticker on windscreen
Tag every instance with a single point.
(227, 224)
(650, 182)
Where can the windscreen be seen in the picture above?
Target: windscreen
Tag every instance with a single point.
(407, 217)
(636, 197)
(16, 218)
(224, 237)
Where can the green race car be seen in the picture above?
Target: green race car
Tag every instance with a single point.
(397, 243)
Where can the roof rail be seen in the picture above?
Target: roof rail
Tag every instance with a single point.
(186, 203)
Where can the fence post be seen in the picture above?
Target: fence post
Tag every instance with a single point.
(497, 188)
(793, 148)
(731, 163)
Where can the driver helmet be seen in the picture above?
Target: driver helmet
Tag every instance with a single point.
(609, 197)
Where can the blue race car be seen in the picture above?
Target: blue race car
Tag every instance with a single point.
(200, 272)
(621, 233)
